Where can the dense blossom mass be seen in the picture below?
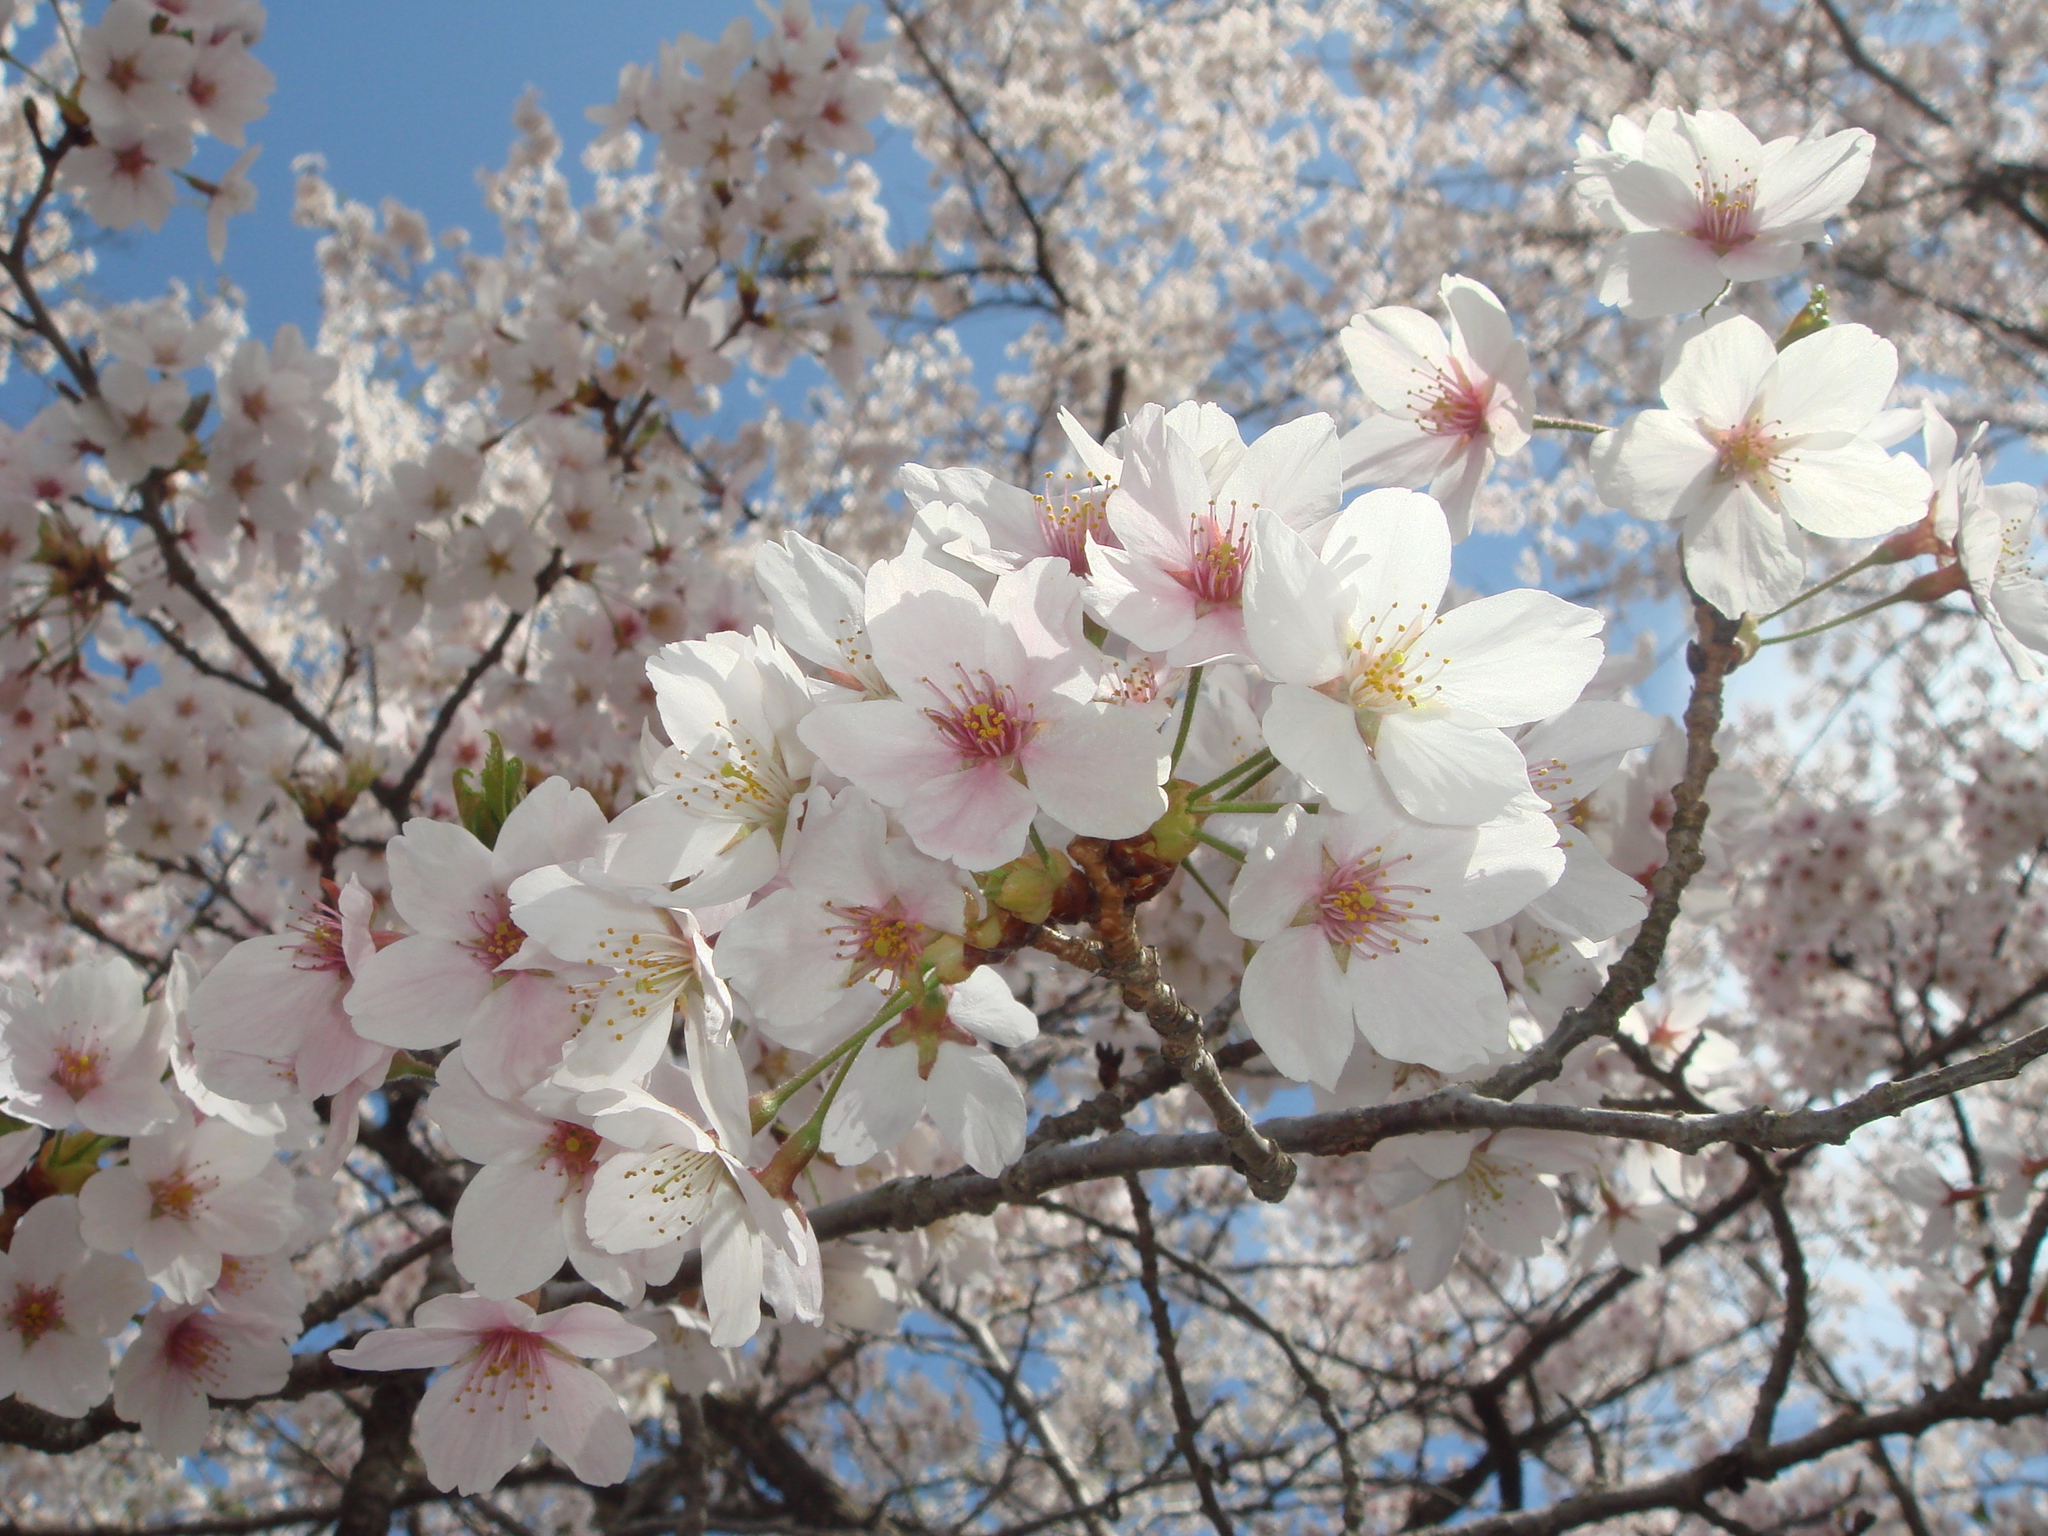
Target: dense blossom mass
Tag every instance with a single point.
(613, 806)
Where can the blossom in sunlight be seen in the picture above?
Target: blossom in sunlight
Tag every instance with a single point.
(59, 1305)
(994, 718)
(1375, 682)
(1755, 445)
(1362, 923)
(1701, 203)
(84, 1053)
(1445, 406)
(1994, 535)
(1570, 756)
(515, 1379)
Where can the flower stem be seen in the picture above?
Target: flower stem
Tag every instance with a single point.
(1262, 760)
(767, 1106)
(1566, 424)
(1815, 629)
(1873, 558)
(1219, 845)
(1238, 808)
(1187, 717)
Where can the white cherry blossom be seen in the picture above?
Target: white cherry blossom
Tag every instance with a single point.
(59, 1305)
(183, 1357)
(85, 1052)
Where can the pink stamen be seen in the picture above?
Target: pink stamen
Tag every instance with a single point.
(989, 723)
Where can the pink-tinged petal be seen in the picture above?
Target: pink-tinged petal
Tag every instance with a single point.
(1396, 354)
(1481, 328)
(660, 839)
(479, 1127)
(1138, 599)
(473, 1426)
(918, 613)
(508, 1228)
(1593, 899)
(1761, 260)
(1317, 737)
(878, 1103)
(1853, 490)
(1509, 862)
(1742, 556)
(1396, 450)
(732, 1272)
(978, 817)
(886, 746)
(1281, 875)
(1835, 380)
(584, 1425)
(1457, 487)
(977, 1106)
(1516, 656)
(470, 1313)
(556, 823)
(984, 1007)
(1717, 371)
(1097, 770)
(404, 1349)
(1036, 612)
(418, 993)
(742, 868)
(128, 1106)
(591, 1332)
(1438, 1002)
(1658, 465)
(1296, 1007)
(1295, 611)
(440, 875)
(1514, 1216)
(1661, 274)
(1448, 769)
(644, 1199)
(1436, 1233)
(113, 1209)
(1813, 180)
(1291, 471)
(518, 1032)
(1393, 551)
(1657, 191)
(332, 1054)
(780, 955)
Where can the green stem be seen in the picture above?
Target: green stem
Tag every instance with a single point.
(1263, 760)
(1867, 608)
(1208, 890)
(1875, 557)
(768, 1105)
(1242, 808)
(1187, 717)
(1219, 845)
(1566, 424)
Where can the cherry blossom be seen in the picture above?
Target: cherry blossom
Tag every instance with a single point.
(514, 1380)
(1758, 444)
(185, 1356)
(1377, 684)
(994, 717)
(1445, 407)
(1702, 203)
(84, 1053)
(59, 1305)
(1496, 1186)
(1994, 535)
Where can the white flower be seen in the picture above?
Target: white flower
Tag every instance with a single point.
(1375, 681)
(1495, 1185)
(1362, 924)
(818, 599)
(1447, 406)
(1995, 527)
(184, 1356)
(59, 1304)
(515, 1379)
(1757, 444)
(1571, 755)
(85, 1053)
(1702, 204)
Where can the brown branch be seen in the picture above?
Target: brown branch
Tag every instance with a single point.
(352, 1293)
(378, 1477)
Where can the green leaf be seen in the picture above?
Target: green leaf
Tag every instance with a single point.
(485, 799)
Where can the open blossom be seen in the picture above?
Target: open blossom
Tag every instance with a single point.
(860, 907)
(186, 1197)
(726, 787)
(994, 718)
(515, 1379)
(1495, 1185)
(1570, 756)
(1995, 529)
(1757, 444)
(1172, 582)
(818, 599)
(1445, 406)
(183, 1357)
(269, 1019)
(59, 1304)
(1362, 923)
(468, 972)
(84, 1053)
(1376, 683)
(930, 1061)
(1701, 203)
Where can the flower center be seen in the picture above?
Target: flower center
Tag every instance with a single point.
(35, 1311)
(988, 724)
(498, 937)
(191, 1349)
(1747, 452)
(510, 1353)
(571, 1150)
(1724, 219)
(321, 949)
(1068, 519)
(1459, 409)
(79, 1070)
(877, 939)
(177, 1195)
(730, 776)
(1219, 550)
(1363, 909)
(927, 1029)
(1386, 669)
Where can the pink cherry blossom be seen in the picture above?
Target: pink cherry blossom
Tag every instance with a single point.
(185, 1356)
(84, 1053)
(59, 1305)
